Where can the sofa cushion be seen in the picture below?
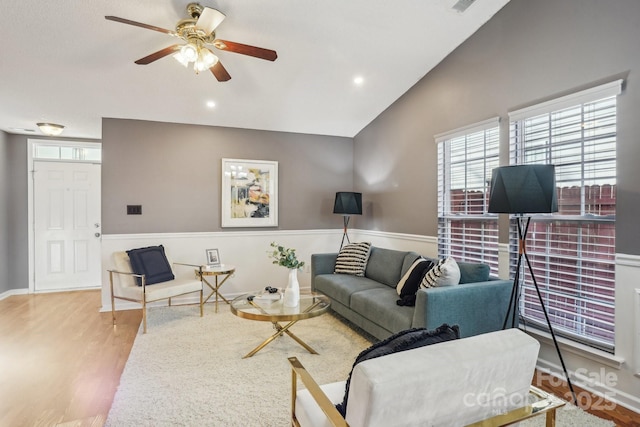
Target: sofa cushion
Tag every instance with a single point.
(152, 262)
(385, 265)
(353, 258)
(340, 287)
(402, 341)
(379, 306)
(472, 272)
(445, 273)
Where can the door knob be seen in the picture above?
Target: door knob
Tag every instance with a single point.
(97, 234)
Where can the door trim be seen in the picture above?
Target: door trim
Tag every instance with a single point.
(31, 142)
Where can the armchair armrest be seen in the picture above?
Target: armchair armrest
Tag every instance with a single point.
(127, 273)
(188, 265)
(297, 370)
(476, 307)
(197, 266)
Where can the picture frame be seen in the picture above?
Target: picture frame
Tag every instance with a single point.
(249, 193)
(213, 257)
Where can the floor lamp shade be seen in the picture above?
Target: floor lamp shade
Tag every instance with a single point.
(348, 203)
(523, 189)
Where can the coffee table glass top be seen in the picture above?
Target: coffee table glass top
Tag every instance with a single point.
(311, 305)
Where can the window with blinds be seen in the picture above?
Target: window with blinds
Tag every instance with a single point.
(466, 157)
(572, 252)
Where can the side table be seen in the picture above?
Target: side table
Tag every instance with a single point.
(224, 270)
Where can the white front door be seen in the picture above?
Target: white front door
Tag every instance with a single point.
(67, 225)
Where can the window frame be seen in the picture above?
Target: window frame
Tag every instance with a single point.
(484, 230)
(580, 296)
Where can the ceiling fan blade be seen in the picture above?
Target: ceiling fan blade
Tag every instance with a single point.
(245, 49)
(140, 24)
(210, 19)
(220, 72)
(157, 55)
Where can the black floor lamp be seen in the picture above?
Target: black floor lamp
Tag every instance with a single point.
(520, 190)
(347, 203)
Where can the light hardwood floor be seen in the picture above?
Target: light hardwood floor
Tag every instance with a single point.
(61, 361)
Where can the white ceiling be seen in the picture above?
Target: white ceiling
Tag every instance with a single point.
(62, 62)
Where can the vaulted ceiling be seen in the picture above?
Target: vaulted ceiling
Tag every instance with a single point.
(63, 62)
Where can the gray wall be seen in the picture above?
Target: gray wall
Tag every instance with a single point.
(14, 255)
(174, 170)
(529, 52)
(4, 212)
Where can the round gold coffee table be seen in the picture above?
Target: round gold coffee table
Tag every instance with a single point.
(253, 306)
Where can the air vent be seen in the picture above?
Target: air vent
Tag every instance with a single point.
(462, 5)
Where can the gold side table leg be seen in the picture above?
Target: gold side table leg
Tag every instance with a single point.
(220, 285)
(215, 290)
(281, 330)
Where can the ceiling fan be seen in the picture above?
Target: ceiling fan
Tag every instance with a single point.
(197, 32)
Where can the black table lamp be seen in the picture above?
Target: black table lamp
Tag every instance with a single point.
(520, 190)
(347, 203)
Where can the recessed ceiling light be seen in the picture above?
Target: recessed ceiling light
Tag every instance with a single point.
(211, 104)
(358, 80)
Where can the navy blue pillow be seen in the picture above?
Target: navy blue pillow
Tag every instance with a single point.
(412, 284)
(403, 340)
(152, 262)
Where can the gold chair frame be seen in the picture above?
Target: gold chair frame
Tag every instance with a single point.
(143, 301)
(545, 403)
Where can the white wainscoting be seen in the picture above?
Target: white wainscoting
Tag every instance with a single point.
(246, 250)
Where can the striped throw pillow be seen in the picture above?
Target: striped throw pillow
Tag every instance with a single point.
(353, 258)
(445, 273)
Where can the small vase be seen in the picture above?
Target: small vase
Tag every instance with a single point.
(292, 291)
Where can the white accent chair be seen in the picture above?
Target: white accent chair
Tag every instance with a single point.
(123, 286)
(484, 380)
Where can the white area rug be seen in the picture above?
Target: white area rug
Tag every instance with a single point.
(189, 371)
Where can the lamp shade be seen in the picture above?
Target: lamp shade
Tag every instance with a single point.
(348, 203)
(523, 189)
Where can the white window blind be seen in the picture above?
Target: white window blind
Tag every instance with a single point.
(572, 252)
(466, 157)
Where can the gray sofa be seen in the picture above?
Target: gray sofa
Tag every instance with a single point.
(370, 302)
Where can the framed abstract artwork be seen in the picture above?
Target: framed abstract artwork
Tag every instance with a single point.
(249, 193)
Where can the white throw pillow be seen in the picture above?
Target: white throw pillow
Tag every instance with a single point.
(445, 273)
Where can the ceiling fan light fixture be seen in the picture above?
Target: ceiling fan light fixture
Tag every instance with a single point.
(50, 129)
(207, 58)
(181, 59)
(189, 52)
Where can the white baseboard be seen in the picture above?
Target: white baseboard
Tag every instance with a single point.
(12, 292)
